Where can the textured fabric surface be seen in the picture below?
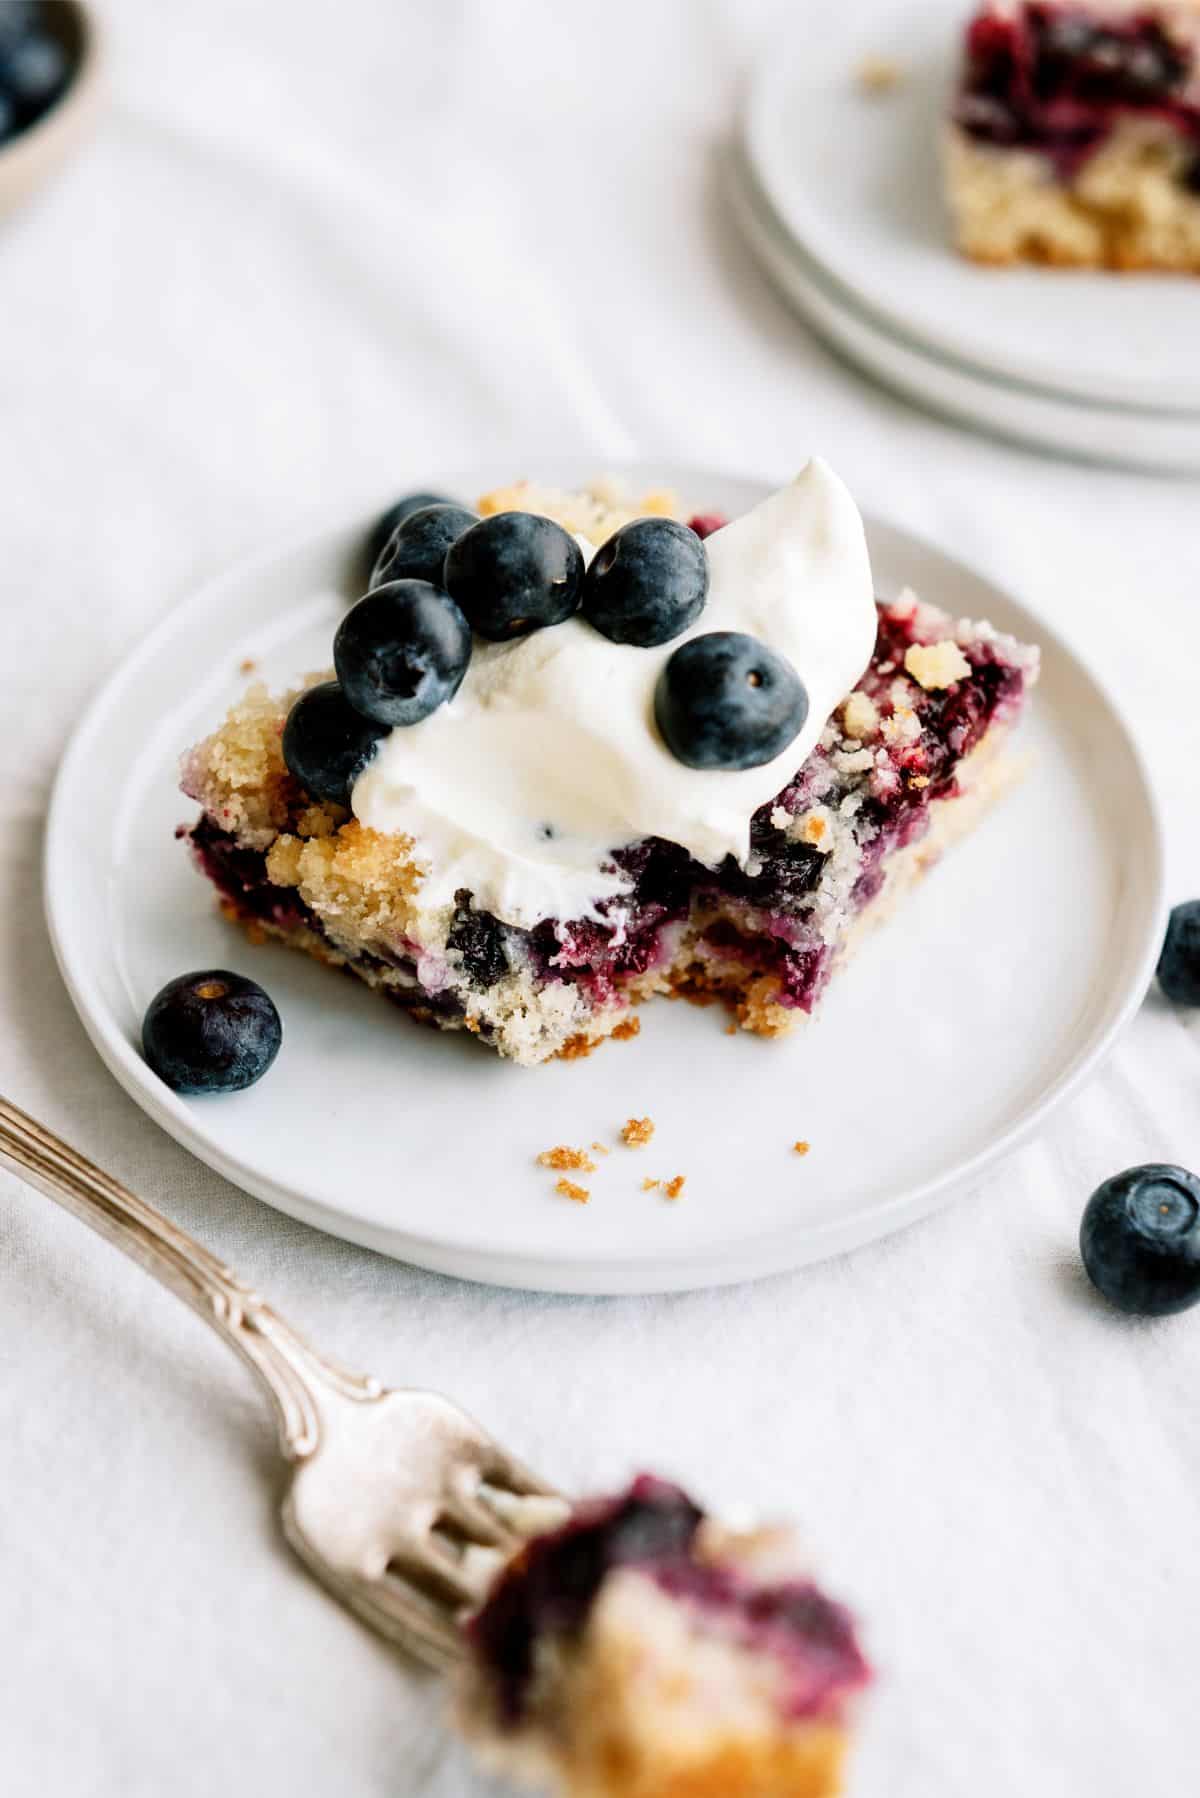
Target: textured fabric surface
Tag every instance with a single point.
(313, 254)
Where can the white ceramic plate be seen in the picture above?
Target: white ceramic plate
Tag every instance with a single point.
(855, 178)
(983, 1003)
(1168, 441)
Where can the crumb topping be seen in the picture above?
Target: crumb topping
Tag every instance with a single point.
(649, 1185)
(814, 827)
(579, 1195)
(935, 665)
(636, 1132)
(355, 872)
(594, 512)
(627, 1028)
(238, 773)
(902, 727)
(859, 716)
(853, 760)
(801, 1148)
(317, 821)
(599, 1148)
(565, 1160)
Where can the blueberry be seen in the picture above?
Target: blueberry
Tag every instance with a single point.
(647, 583)
(1140, 1239)
(478, 938)
(18, 20)
(34, 72)
(514, 573)
(327, 744)
(1179, 963)
(401, 652)
(1191, 175)
(725, 700)
(212, 1032)
(385, 524)
(416, 549)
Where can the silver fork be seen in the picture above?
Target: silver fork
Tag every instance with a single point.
(398, 1502)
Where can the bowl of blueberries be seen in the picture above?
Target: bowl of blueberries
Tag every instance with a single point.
(48, 85)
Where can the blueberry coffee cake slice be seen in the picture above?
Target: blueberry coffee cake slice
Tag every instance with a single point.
(642, 1651)
(1074, 136)
(547, 780)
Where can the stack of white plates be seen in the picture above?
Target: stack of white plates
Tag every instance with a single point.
(839, 193)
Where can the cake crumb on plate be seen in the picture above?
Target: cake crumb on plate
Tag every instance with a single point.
(636, 1132)
(564, 1159)
(801, 1148)
(569, 1190)
(879, 74)
(673, 1188)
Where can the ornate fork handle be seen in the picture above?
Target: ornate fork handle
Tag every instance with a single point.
(293, 1375)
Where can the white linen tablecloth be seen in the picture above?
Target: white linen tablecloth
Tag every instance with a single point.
(314, 254)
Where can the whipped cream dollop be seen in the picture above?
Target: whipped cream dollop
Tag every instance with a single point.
(548, 758)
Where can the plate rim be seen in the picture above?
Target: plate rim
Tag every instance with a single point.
(768, 1251)
(770, 79)
(1052, 424)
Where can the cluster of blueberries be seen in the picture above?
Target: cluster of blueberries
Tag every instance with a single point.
(35, 66)
(441, 576)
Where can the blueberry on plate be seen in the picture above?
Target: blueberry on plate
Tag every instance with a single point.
(1140, 1239)
(1179, 963)
(725, 700)
(18, 20)
(416, 549)
(34, 73)
(327, 744)
(212, 1032)
(401, 652)
(385, 524)
(513, 573)
(647, 583)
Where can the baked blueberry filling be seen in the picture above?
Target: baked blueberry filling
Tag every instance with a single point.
(478, 938)
(240, 876)
(1057, 79)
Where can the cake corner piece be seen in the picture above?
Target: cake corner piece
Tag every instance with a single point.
(1073, 137)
